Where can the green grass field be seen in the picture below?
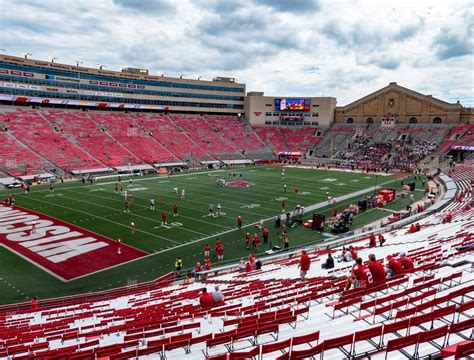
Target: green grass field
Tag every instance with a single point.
(97, 208)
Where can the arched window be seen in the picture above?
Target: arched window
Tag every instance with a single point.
(437, 120)
(350, 121)
(369, 120)
(413, 120)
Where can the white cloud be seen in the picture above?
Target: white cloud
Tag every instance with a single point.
(344, 49)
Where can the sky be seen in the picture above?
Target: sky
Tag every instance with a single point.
(298, 48)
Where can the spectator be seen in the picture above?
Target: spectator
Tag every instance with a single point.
(258, 264)
(353, 252)
(373, 242)
(360, 276)
(217, 296)
(376, 269)
(329, 264)
(304, 265)
(406, 263)
(381, 239)
(34, 303)
(394, 267)
(205, 299)
(242, 265)
(248, 267)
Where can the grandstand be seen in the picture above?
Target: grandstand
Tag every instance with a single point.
(113, 136)
(269, 313)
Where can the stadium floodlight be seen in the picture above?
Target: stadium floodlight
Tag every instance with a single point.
(199, 77)
(181, 76)
(52, 58)
(27, 54)
(101, 66)
(78, 62)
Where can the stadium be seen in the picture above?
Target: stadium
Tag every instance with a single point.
(151, 216)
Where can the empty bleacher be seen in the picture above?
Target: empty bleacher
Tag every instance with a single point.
(136, 139)
(34, 131)
(271, 314)
(80, 128)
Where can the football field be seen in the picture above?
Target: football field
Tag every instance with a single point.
(96, 210)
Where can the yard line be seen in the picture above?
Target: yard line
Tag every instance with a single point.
(99, 217)
(309, 208)
(134, 215)
(146, 207)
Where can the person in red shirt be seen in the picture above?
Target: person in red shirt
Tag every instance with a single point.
(283, 206)
(248, 267)
(381, 239)
(208, 264)
(34, 303)
(304, 264)
(376, 269)
(394, 267)
(206, 299)
(207, 249)
(406, 263)
(372, 240)
(255, 240)
(247, 240)
(197, 270)
(175, 209)
(360, 276)
(265, 235)
(252, 259)
(353, 252)
(412, 228)
(163, 218)
(218, 243)
(239, 222)
(220, 253)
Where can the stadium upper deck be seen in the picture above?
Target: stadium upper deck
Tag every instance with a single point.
(41, 82)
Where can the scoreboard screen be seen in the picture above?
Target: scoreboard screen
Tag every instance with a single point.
(292, 104)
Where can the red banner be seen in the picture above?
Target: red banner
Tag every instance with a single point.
(62, 249)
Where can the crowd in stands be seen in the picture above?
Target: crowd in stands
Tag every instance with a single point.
(363, 152)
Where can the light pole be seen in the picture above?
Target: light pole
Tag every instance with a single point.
(101, 66)
(52, 59)
(27, 54)
(77, 66)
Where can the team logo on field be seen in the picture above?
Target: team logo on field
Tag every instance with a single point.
(239, 184)
(62, 249)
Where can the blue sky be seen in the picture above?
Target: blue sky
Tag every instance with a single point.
(345, 49)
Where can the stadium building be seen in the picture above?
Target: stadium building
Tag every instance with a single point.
(118, 184)
(49, 83)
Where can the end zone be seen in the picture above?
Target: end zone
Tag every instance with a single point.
(62, 249)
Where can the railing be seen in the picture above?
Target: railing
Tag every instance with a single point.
(91, 296)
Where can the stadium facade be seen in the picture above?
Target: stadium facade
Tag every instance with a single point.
(48, 83)
(36, 82)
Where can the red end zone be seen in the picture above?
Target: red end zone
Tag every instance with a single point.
(60, 248)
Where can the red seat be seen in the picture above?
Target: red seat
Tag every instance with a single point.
(464, 350)
(401, 343)
(368, 335)
(242, 355)
(303, 354)
(276, 346)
